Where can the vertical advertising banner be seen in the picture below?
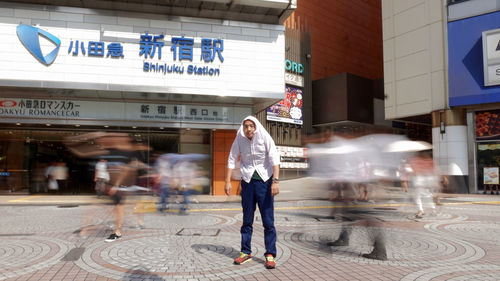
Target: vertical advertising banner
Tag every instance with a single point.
(288, 110)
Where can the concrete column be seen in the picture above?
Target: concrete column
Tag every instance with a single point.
(449, 140)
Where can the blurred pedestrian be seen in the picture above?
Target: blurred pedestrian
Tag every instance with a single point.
(126, 176)
(364, 169)
(404, 172)
(123, 175)
(490, 186)
(443, 185)
(52, 185)
(424, 181)
(259, 184)
(347, 163)
(164, 173)
(368, 218)
(60, 174)
(184, 172)
(39, 182)
(101, 177)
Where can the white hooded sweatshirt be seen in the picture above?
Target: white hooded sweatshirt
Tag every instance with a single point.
(258, 154)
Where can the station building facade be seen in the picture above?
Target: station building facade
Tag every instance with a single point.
(176, 78)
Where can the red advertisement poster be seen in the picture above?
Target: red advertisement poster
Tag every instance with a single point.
(288, 110)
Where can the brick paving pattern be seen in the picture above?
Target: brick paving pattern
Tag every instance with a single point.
(460, 242)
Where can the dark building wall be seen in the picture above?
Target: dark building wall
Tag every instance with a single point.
(378, 89)
(343, 97)
(330, 99)
(360, 99)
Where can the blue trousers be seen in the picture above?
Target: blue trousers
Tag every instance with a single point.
(165, 189)
(185, 194)
(257, 192)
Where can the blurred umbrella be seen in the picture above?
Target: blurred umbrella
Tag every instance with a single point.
(342, 149)
(175, 157)
(103, 143)
(407, 146)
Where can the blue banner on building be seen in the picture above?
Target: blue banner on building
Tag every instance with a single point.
(466, 61)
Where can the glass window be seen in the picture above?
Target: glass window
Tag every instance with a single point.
(488, 163)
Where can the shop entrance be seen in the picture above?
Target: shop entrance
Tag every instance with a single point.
(27, 152)
(488, 165)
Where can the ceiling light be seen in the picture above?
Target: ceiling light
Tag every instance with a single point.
(134, 127)
(77, 125)
(18, 124)
(106, 126)
(48, 125)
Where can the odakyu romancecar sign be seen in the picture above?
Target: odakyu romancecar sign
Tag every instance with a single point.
(150, 47)
(79, 110)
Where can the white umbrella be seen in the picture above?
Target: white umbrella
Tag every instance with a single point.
(341, 149)
(407, 146)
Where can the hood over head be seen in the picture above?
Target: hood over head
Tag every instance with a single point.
(260, 131)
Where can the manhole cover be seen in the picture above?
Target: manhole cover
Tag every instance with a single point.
(67, 206)
(198, 232)
(385, 209)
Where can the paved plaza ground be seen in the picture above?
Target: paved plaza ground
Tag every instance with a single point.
(62, 238)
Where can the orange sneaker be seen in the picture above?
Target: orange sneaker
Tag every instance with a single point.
(243, 258)
(270, 263)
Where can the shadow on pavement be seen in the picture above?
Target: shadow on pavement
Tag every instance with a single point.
(233, 253)
(139, 272)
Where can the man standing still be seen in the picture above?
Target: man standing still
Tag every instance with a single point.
(259, 184)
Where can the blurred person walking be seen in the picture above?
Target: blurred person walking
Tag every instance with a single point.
(404, 173)
(126, 177)
(365, 173)
(60, 174)
(39, 183)
(184, 172)
(52, 185)
(363, 216)
(101, 177)
(164, 171)
(491, 187)
(424, 181)
(259, 184)
(123, 175)
(346, 163)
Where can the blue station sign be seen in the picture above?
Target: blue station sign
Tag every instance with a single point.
(150, 48)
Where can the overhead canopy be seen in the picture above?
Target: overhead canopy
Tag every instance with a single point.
(77, 94)
(259, 11)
